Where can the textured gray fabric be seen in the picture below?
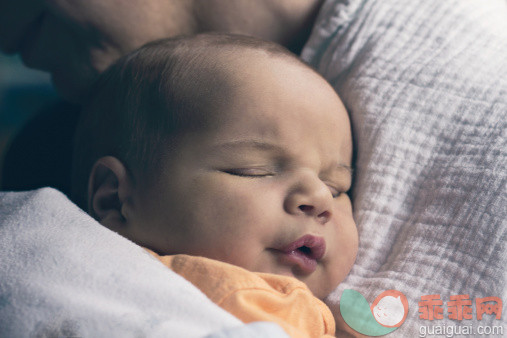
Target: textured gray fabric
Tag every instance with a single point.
(425, 83)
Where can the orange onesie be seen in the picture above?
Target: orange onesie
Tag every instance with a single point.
(254, 296)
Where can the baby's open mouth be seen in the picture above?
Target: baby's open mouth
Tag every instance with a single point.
(304, 253)
(306, 250)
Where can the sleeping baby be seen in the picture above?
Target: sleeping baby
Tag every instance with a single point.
(229, 159)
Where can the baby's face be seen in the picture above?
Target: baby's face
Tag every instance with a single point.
(265, 187)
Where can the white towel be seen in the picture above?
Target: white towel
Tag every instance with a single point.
(62, 274)
(425, 83)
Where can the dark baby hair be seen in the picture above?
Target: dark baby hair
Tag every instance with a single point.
(144, 101)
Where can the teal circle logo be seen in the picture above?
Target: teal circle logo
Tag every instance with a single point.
(387, 312)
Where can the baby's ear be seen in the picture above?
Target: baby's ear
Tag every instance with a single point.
(109, 188)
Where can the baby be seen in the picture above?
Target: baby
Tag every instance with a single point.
(230, 148)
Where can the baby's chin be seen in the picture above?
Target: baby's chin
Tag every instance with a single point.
(320, 289)
(319, 283)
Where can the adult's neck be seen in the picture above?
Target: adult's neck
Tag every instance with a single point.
(288, 22)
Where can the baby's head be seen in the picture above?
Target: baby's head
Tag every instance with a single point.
(226, 147)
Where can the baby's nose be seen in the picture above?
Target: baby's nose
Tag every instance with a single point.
(322, 216)
(311, 198)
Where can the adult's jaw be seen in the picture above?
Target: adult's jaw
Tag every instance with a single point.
(76, 40)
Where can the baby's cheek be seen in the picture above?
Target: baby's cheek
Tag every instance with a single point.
(346, 231)
(231, 211)
(341, 256)
(344, 206)
(239, 204)
(350, 245)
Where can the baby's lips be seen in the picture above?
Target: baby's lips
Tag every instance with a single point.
(303, 253)
(315, 246)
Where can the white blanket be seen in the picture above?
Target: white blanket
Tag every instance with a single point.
(62, 274)
(425, 83)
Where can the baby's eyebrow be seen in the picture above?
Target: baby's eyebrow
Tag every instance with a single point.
(258, 144)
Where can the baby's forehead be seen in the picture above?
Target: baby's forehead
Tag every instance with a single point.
(242, 61)
(243, 81)
(273, 87)
(220, 74)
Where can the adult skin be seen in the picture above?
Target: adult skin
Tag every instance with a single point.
(76, 40)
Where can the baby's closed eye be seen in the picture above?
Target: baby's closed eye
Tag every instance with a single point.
(250, 172)
(335, 191)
